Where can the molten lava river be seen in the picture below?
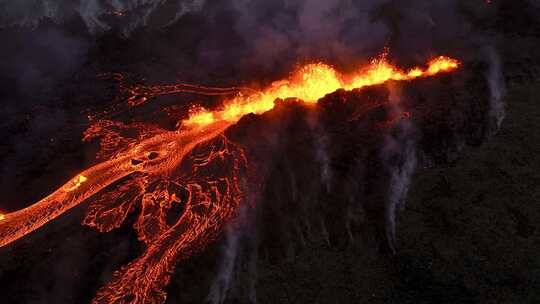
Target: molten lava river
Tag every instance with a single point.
(197, 166)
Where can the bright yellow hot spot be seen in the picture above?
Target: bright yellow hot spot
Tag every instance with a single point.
(441, 64)
(2, 217)
(312, 82)
(76, 183)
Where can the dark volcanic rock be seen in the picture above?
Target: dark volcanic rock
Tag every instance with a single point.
(330, 168)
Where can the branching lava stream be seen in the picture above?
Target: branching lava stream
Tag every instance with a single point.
(196, 166)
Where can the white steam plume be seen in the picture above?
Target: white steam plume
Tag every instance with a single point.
(497, 89)
(399, 157)
(237, 237)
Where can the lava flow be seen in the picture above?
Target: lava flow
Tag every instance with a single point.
(195, 167)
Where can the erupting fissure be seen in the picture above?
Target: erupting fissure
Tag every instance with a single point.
(314, 81)
(161, 169)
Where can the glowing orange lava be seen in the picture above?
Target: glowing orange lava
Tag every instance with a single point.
(314, 81)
